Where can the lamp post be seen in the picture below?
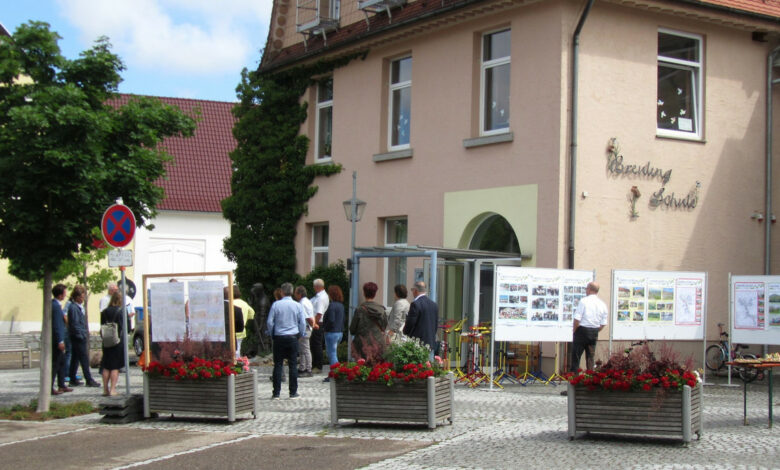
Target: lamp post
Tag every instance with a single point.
(353, 209)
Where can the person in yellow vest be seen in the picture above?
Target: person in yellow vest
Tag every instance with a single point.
(249, 316)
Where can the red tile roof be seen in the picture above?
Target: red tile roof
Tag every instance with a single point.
(199, 176)
(760, 7)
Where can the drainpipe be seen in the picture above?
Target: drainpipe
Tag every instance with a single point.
(770, 82)
(573, 126)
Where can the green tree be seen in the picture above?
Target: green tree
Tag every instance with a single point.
(66, 154)
(271, 183)
(85, 268)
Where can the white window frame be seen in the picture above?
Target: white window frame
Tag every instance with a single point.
(484, 66)
(388, 288)
(315, 249)
(698, 83)
(320, 106)
(391, 110)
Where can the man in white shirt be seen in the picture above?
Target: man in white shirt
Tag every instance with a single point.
(104, 301)
(320, 303)
(304, 350)
(590, 317)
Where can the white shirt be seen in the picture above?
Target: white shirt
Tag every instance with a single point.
(320, 303)
(129, 307)
(308, 310)
(591, 312)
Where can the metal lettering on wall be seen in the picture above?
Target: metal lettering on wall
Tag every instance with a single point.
(659, 198)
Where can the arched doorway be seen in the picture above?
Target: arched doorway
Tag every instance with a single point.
(494, 233)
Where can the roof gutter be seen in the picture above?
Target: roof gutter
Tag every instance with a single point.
(770, 82)
(573, 146)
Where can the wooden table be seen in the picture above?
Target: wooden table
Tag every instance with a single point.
(765, 366)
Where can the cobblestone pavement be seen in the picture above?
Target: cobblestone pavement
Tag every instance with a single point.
(518, 427)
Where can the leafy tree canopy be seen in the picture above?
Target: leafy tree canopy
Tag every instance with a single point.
(271, 182)
(66, 153)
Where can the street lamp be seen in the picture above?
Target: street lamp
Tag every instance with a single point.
(353, 209)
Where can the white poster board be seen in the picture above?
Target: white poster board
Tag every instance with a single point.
(170, 321)
(754, 309)
(536, 304)
(207, 311)
(658, 305)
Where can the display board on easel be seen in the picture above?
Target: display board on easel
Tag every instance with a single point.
(188, 317)
(536, 304)
(659, 305)
(754, 309)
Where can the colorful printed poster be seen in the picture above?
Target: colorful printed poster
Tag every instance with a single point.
(631, 300)
(773, 304)
(168, 317)
(660, 300)
(749, 305)
(688, 301)
(537, 304)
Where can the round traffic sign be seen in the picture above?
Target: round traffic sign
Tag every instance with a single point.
(118, 225)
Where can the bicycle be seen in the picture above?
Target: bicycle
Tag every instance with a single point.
(717, 355)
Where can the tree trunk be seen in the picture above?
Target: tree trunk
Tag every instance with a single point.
(44, 393)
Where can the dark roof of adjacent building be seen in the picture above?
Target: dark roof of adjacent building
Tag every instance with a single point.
(198, 178)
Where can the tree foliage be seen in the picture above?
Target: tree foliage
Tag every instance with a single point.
(271, 182)
(67, 153)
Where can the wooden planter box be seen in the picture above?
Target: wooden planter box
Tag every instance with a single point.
(224, 396)
(675, 413)
(428, 402)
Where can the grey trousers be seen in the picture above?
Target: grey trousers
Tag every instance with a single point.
(304, 354)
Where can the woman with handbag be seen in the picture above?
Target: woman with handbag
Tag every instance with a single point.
(114, 348)
(369, 326)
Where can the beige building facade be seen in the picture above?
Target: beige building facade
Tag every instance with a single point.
(461, 115)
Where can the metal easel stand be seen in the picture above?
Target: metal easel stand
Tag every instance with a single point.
(556, 376)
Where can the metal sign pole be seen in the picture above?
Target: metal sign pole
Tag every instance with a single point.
(124, 330)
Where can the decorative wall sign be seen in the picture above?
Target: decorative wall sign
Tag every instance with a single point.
(660, 198)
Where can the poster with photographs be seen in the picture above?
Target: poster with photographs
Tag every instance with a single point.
(755, 309)
(658, 305)
(536, 304)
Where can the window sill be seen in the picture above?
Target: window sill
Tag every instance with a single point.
(320, 161)
(683, 137)
(488, 140)
(394, 155)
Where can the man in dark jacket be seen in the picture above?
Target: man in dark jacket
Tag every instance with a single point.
(423, 317)
(58, 332)
(79, 338)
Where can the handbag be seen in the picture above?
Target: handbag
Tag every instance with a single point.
(109, 332)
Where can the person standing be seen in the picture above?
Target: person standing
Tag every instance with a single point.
(286, 323)
(320, 303)
(397, 317)
(304, 366)
(58, 335)
(333, 324)
(113, 356)
(106, 299)
(590, 317)
(423, 317)
(79, 338)
(368, 328)
(249, 316)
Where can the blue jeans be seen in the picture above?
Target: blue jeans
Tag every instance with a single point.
(332, 341)
(285, 347)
